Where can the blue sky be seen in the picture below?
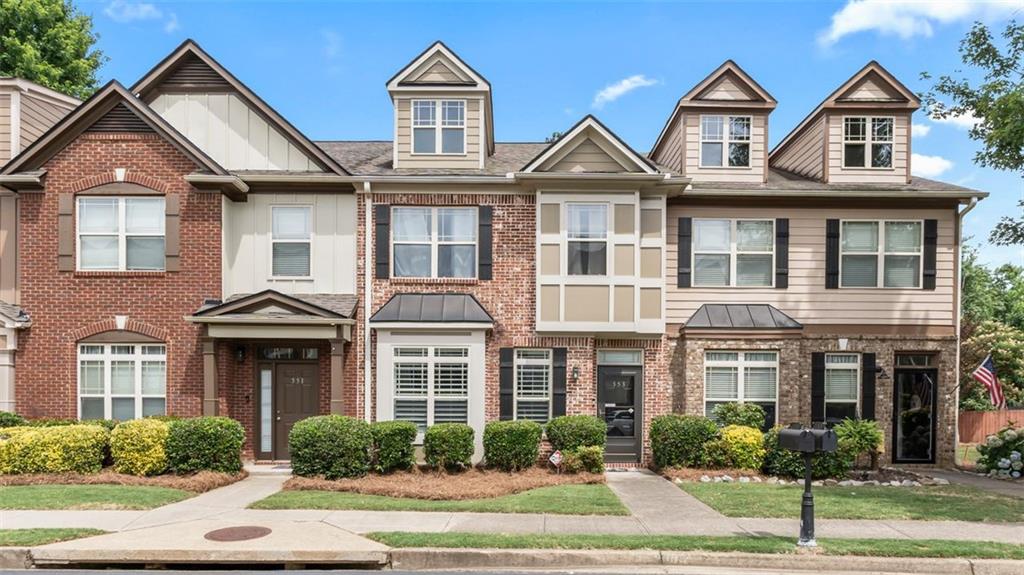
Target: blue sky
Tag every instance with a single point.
(323, 65)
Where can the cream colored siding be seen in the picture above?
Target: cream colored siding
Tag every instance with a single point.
(587, 157)
(806, 298)
(247, 250)
(725, 89)
(235, 136)
(670, 153)
(470, 160)
(586, 303)
(5, 128)
(755, 173)
(38, 116)
(438, 72)
(805, 155)
(871, 90)
(9, 249)
(901, 144)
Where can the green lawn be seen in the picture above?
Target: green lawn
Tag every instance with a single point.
(937, 503)
(33, 537)
(748, 544)
(88, 496)
(561, 499)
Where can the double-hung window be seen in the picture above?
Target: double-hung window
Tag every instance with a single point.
(733, 252)
(725, 141)
(587, 239)
(431, 384)
(120, 233)
(741, 377)
(439, 126)
(842, 386)
(533, 385)
(867, 142)
(121, 381)
(291, 240)
(434, 242)
(881, 254)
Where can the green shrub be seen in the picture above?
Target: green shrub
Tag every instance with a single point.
(587, 458)
(448, 445)
(737, 446)
(65, 449)
(512, 445)
(393, 445)
(745, 414)
(571, 431)
(204, 444)
(782, 462)
(1001, 454)
(109, 424)
(138, 447)
(8, 419)
(679, 440)
(332, 446)
(859, 437)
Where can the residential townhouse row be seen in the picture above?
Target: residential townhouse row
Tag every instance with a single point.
(179, 247)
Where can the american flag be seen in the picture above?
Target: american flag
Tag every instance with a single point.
(986, 375)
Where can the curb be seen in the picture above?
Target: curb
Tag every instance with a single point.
(15, 558)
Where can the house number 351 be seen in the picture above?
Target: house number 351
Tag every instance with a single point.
(298, 380)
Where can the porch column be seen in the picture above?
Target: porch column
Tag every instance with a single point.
(337, 375)
(7, 380)
(209, 377)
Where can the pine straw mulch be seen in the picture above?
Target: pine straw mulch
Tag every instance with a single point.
(198, 483)
(694, 474)
(428, 484)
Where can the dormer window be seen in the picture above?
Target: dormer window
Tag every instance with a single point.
(725, 141)
(434, 133)
(864, 147)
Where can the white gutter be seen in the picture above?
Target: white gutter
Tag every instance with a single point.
(959, 315)
(367, 296)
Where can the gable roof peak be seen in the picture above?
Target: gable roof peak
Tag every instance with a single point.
(563, 145)
(439, 47)
(726, 69)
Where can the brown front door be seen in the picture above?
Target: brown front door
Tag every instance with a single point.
(296, 390)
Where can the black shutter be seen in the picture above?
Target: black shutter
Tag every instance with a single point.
(683, 271)
(831, 254)
(558, 381)
(817, 387)
(484, 237)
(506, 383)
(867, 386)
(782, 253)
(931, 237)
(382, 233)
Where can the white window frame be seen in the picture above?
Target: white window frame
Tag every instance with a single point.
(435, 241)
(733, 252)
(546, 361)
(122, 234)
(273, 240)
(725, 141)
(431, 359)
(880, 254)
(108, 356)
(606, 240)
(740, 364)
(438, 125)
(856, 367)
(869, 141)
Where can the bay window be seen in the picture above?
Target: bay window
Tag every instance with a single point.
(438, 133)
(842, 387)
(120, 233)
(725, 141)
(733, 252)
(121, 381)
(434, 242)
(533, 385)
(867, 142)
(880, 254)
(431, 385)
(742, 377)
(291, 241)
(587, 235)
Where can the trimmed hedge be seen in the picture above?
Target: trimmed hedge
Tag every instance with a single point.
(448, 445)
(588, 458)
(785, 463)
(139, 447)
(8, 419)
(109, 424)
(393, 445)
(679, 440)
(572, 431)
(745, 414)
(737, 446)
(332, 446)
(204, 444)
(65, 449)
(512, 445)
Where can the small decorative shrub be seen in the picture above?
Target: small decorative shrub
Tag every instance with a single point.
(587, 458)
(745, 414)
(1002, 454)
(679, 440)
(332, 446)
(393, 445)
(782, 462)
(65, 449)
(737, 446)
(859, 437)
(204, 444)
(448, 445)
(571, 431)
(512, 445)
(8, 419)
(138, 447)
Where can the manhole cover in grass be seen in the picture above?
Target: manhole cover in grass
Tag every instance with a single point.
(243, 533)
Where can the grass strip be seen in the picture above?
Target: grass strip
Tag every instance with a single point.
(34, 537)
(102, 497)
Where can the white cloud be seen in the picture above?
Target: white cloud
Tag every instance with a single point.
(963, 121)
(909, 18)
(929, 166)
(332, 43)
(920, 130)
(172, 23)
(613, 92)
(124, 12)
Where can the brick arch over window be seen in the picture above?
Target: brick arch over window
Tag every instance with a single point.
(107, 330)
(109, 177)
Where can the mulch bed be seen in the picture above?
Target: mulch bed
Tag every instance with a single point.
(428, 484)
(197, 483)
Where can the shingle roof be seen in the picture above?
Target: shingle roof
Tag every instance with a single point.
(341, 304)
(741, 316)
(782, 180)
(375, 158)
(432, 308)
(13, 313)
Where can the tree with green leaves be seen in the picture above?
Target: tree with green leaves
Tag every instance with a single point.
(51, 43)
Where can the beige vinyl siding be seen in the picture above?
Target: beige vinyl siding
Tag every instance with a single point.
(9, 249)
(901, 143)
(437, 72)
(670, 153)
(588, 157)
(725, 89)
(470, 160)
(38, 116)
(755, 173)
(871, 89)
(806, 298)
(5, 128)
(805, 154)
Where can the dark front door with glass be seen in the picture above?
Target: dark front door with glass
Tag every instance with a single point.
(618, 401)
(287, 391)
(914, 396)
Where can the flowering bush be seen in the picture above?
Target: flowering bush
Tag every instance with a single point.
(1002, 454)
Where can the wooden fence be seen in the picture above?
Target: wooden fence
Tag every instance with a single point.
(976, 425)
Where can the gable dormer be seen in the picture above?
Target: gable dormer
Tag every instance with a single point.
(719, 129)
(589, 147)
(859, 134)
(443, 115)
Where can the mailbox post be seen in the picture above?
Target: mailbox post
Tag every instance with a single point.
(808, 442)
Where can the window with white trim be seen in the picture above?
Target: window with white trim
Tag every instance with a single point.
(742, 377)
(121, 381)
(431, 384)
(842, 387)
(291, 241)
(443, 133)
(867, 142)
(434, 242)
(587, 239)
(738, 253)
(725, 141)
(533, 385)
(880, 254)
(120, 233)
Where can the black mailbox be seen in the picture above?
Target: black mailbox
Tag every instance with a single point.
(804, 440)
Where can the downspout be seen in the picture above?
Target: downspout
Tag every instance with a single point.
(959, 315)
(367, 297)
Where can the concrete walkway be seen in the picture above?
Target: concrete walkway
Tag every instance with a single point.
(1009, 488)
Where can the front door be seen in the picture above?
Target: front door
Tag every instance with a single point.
(914, 396)
(288, 392)
(618, 401)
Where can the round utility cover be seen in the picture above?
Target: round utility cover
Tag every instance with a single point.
(243, 533)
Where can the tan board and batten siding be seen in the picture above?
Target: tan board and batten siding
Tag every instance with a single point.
(806, 298)
(899, 172)
(5, 128)
(406, 159)
(805, 155)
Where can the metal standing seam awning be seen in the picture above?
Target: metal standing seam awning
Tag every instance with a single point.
(449, 310)
(741, 317)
